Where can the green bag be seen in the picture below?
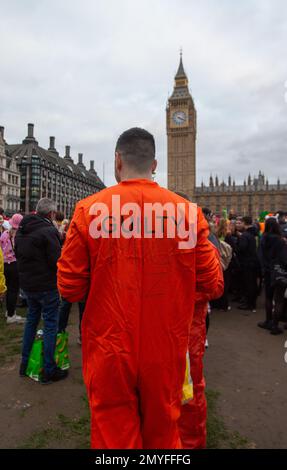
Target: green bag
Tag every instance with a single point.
(61, 352)
(36, 359)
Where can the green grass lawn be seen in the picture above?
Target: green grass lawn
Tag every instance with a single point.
(10, 337)
(77, 430)
(66, 432)
(218, 436)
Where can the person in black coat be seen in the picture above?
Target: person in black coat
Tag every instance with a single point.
(38, 248)
(249, 263)
(281, 218)
(273, 250)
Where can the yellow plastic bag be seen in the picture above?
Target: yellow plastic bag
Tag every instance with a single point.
(187, 389)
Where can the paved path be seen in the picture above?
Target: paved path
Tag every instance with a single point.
(246, 365)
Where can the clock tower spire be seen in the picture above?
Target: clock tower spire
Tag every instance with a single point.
(181, 78)
(181, 135)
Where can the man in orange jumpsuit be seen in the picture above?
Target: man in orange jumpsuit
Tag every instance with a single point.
(140, 294)
(192, 422)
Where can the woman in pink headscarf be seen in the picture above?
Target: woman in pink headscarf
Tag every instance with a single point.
(7, 241)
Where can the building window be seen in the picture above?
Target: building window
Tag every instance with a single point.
(35, 181)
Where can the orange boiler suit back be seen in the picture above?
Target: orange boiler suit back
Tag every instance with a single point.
(140, 295)
(192, 422)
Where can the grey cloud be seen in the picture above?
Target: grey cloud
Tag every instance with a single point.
(85, 71)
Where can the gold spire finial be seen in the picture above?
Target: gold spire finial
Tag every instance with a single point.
(180, 72)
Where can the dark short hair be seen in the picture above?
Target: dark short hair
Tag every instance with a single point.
(2, 211)
(272, 226)
(247, 220)
(206, 211)
(59, 216)
(137, 148)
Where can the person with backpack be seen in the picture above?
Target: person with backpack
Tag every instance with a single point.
(225, 253)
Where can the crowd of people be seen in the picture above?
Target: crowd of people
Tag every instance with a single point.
(142, 304)
(253, 256)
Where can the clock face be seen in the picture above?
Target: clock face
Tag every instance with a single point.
(179, 117)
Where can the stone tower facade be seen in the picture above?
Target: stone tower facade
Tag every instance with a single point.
(252, 197)
(181, 136)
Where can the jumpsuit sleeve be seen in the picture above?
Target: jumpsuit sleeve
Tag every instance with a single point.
(209, 275)
(2, 277)
(74, 263)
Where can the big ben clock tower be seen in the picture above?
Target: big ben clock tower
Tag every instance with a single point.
(181, 136)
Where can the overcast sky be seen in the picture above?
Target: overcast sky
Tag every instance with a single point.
(86, 70)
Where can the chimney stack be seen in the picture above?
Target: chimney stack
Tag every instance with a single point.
(80, 158)
(31, 130)
(30, 139)
(52, 143)
(67, 154)
(2, 131)
(92, 165)
(52, 148)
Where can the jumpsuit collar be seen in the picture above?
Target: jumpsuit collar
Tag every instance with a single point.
(139, 181)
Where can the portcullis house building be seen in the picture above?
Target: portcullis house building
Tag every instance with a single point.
(44, 173)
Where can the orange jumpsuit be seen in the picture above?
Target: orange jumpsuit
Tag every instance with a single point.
(140, 299)
(192, 422)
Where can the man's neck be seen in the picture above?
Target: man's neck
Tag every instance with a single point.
(133, 176)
